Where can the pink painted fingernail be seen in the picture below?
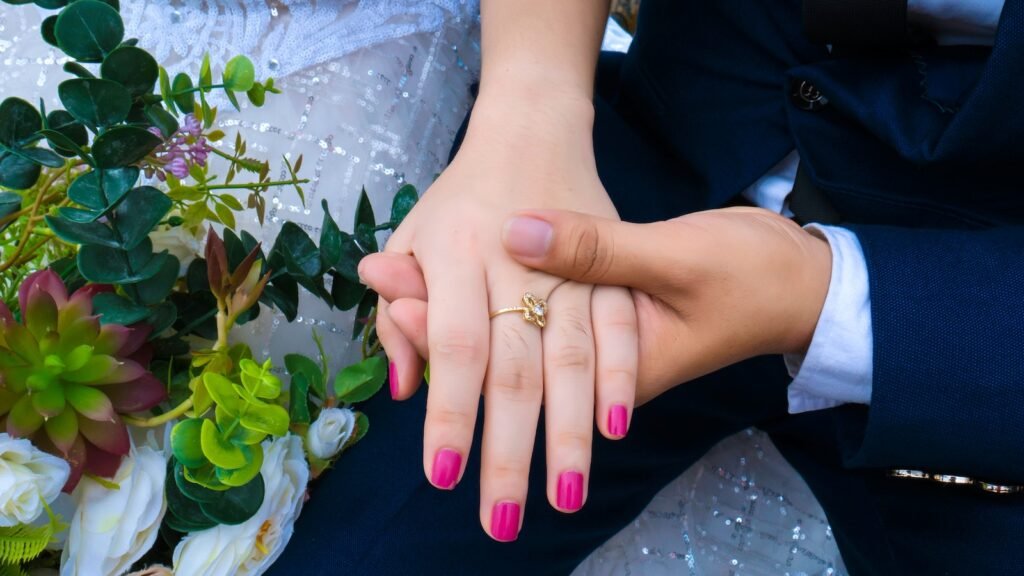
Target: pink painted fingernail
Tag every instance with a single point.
(570, 491)
(447, 464)
(505, 521)
(393, 380)
(618, 420)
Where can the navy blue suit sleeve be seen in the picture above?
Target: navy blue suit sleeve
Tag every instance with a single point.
(948, 323)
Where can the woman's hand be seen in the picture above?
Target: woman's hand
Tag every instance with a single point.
(516, 155)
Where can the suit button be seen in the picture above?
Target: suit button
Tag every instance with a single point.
(806, 96)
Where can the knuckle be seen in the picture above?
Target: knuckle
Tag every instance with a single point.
(512, 379)
(446, 417)
(591, 256)
(574, 440)
(619, 374)
(458, 347)
(573, 357)
(509, 468)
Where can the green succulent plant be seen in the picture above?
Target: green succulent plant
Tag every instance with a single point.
(65, 377)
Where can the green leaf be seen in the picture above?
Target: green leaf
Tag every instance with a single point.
(239, 74)
(297, 364)
(82, 232)
(17, 173)
(73, 135)
(403, 203)
(358, 382)
(244, 475)
(362, 427)
(225, 215)
(345, 293)
(205, 76)
(267, 418)
(184, 513)
(365, 221)
(123, 145)
(88, 29)
(217, 449)
(299, 253)
(95, 102)
(9, 204)
(48, 30)
(163, 315)
(103, 189)
(165, 91)
(363, 313)
(298, 400)
(76, 69)
(162, 119)
(104, 265)
(330, 239)
(114, 309)
(156, 289)
(186, 444)
(257, 95)
(140, 211)
(190, 489)
(23, 542)
(237, 504)
(181, 93)
(19, 120)
(132, 68)
(42, 157)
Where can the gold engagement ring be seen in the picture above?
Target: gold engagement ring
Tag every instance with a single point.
(534, 310)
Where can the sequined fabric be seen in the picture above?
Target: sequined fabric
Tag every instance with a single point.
(374, 92)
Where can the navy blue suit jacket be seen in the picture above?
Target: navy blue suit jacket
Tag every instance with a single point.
(919, 148)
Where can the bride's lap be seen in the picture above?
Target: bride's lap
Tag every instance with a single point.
(377, 514)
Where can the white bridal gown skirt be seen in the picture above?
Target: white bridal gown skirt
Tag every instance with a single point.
(374, 92)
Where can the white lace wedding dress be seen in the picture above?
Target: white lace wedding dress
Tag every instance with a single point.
(374, 91)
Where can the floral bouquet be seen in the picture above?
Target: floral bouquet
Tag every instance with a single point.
(120, 383)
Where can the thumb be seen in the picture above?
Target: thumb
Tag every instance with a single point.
(583, 248)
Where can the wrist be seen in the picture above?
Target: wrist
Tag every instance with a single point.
(532, 114)
(816, 257)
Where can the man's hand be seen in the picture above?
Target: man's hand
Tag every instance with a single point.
(711, 288)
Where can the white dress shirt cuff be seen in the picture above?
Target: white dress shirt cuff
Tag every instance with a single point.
(837, 368)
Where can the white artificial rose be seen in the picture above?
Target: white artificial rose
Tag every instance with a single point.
(249, 548)
(326, 437)
(28, 477)
(113, 527)
(179, 242)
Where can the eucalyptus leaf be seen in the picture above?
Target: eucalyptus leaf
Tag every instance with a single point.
(19, 120)
(185, 443)
(76, 69)
(156, 289)
(140, 211)
(219, 450)
(115, 309)
(94, 101)
(48, 30)
(105, 265)
(162, 119)
(181, 93)
(163, 315)
(103, 189)
(132, 68)
(42, 157)
(82, 232)
(241, 476)
(191, 490)
(88, 29)
(299, 365)
(239, 74)
(9, 204)
(365, 220)
(66, 135)
(17, 173)
(237, 504)
(123, 145)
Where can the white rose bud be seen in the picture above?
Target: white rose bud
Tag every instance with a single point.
(28, 476)
(330, 432)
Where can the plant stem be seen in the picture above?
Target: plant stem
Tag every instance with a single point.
(257, 185)
(164, 418)
(222, 330)
(195, 89)
(30, 225)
